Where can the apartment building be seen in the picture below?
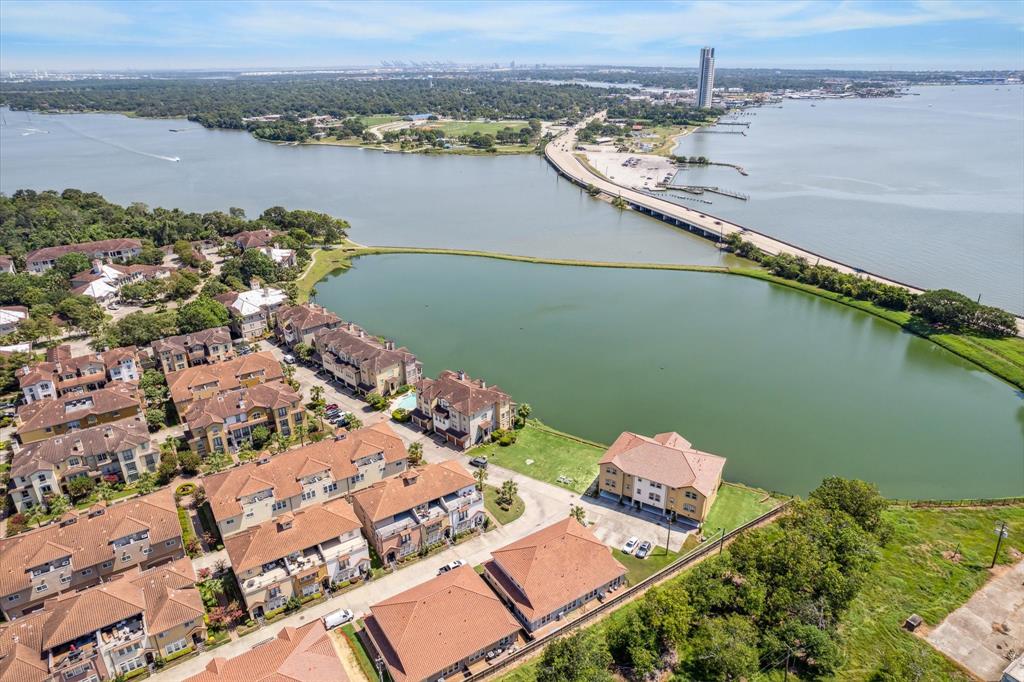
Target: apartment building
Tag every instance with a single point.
(43, 468)
(418, 508)
(104, 281)
(303, 654)
(251, 311)
(297, 555)
(440, 628)
(204, 381)
(299, 323)
(48, 417)
(463, 410)
(86, 548)
(11, 317)
(664, 474)
(256, 492)
(206, 347)
(364, 363)
(107, 630)
(62, 373)
(120, 250)
(548, 574)
(224, 423)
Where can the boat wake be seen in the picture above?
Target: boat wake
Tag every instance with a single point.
(34, 131)
(122, 147)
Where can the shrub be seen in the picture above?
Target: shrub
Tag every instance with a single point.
(185, 489)
(81, 487)
(503, 437)
(401, 415)
(377, 401)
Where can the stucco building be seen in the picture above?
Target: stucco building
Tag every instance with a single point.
(465, 411)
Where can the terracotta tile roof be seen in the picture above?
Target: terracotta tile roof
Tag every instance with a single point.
(119, 395)
(397, 494)
(554, 566)
(468, 396)
(55, 252)
(170, 595)
(254, 238)
(226, 375)
(47, 454)
(87, 541)
(282, 471)
(182, 342)
(352, 341)
(74, 614)
(18, 661)
(424, 630)
(274, 539)
(668, 458)
(60, 362)
(305, 316)
(303, 654)
(217, 409)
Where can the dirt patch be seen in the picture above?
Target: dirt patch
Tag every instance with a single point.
(348, 657)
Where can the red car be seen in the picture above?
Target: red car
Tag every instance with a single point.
(330, 407)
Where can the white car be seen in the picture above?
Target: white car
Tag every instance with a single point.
(336, 618)
(450, 566)
(630, 545)
(290, 359)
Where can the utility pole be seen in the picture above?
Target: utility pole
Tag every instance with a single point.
(668, 540)
(721, 541)
(1001, 532)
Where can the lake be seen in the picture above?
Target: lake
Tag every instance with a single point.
(789, 387)
(927, 188)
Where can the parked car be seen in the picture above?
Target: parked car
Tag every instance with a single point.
(644, 550)
(450, 566)
(289, 358)
(333, 407)
(479, 462)
(337, 618)
(630, 545)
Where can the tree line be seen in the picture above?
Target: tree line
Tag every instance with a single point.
(941, 308)
(771, 602)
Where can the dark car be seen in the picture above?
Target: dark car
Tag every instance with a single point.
(644, 550)
(479, 462)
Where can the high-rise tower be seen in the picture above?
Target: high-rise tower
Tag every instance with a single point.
(706, 77)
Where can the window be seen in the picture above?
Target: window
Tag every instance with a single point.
(131, 665)
(65, 579)
(328, 489)
(87, 571)
(107, 564)
(308, 494)
(45, 489)
(177, 646)
(690, 495)
(610, 470)
(147, 550)
(74, 461)
(13, 597)
(42, 587)
(170, 543)
(610, 482)
(690, 508)
(282, 412)
(278, 506)
(654, 497)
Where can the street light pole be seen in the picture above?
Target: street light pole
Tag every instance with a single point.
(1001, 532)
(721, 540)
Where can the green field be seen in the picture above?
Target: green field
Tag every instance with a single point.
(501, 515)
(459, 128)
(379, 119)
(638, 569)
(735, 505)
(915, 576)
(550, 454)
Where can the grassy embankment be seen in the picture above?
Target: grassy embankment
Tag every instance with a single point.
(450, 129)
(1003, 358)
(914, 574)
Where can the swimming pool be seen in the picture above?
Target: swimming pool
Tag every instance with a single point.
(406, 402)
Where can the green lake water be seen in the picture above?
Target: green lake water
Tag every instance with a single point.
(789, 387)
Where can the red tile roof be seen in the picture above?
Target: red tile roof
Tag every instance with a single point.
(668, 458)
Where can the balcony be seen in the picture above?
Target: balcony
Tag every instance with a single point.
(122, 635)
(310, 558)
(456, 501)
(403, 522)
(265, 579)
(430, 512)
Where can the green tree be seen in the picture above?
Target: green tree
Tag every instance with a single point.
(202, 313)
(146, 483)
(583, 657)
(168, 467)
(304, 351)
(182, 285)
(723, 648)
(156, 418)
(415, 454)
(260, 437)
(859, 499)
(72, 263)
(945, 308)
(507, 492)
(81, 487)
(57, 505)
(480, 474)
(154, 387)
(634, 645)
(189, 462)
(579, 513)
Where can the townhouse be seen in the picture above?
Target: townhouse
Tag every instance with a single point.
(43, 468)
(62, 373)
(224, 423)
(664, 474)
(41, 260)
(297, 555)
(364, 363)
(299, 323)
(206, 347)
(108, 630)
(303, 654)
(440, 628)
(256, 492)
(11, 317)
(464, 411)
(48, 417)
(418, 508)
(204, 381)
(86, 548)
(104, 281)
(550, 573)
(251, 311)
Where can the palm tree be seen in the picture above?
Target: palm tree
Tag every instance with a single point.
(578, 513)
(416, 454)
(508, 491)
(480, 475)
(316, 394)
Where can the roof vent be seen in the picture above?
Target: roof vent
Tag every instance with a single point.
(262, 460)
(340, 436)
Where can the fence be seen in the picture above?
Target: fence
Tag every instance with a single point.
(979, 502)
(624, 596)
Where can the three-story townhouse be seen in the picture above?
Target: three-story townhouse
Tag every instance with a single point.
(225, 422)
(463, 410)
(364, 363)
(209, 346)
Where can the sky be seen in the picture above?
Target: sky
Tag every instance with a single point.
(113, 35)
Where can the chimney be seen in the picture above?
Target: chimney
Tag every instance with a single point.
(462, 375)
(389, 344)
(483, 384)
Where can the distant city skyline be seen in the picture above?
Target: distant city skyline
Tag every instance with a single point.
(116, 35)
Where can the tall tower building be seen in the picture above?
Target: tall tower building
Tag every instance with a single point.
(706, 77)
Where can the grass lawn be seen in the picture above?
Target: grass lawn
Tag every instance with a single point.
(324, 263)
(551, 454)
(501, 514)
(361, 655)
(913, 576)
(735, 505)
(638, 569)
(459, 128)
(379, 119)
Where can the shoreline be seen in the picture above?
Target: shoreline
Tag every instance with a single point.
(970, 349)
